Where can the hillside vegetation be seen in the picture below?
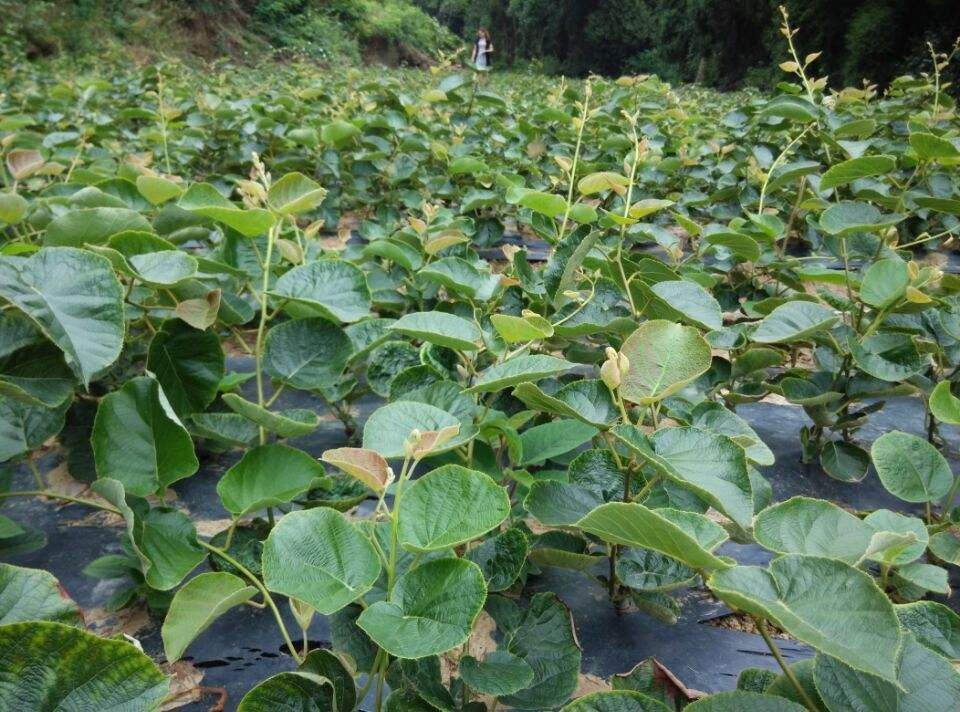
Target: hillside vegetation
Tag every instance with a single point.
(338, 32)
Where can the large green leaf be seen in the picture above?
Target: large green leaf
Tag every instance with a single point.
(560, 504)
(318, 556)
(431, 610)
(740, 701)
(711, 465)
(544, 638)
(307, 353)
(47, 667)
(205, 200)
(934, 625)
(189, 365)
(25, 427)
(195, 606)
(794, 321)
(333, 289)
(911, 468)
(266, 476)
(390, 426)
(163, 539)
(714, 418)
(138, 440)
(664, 357)
(815, 527)
(285, 423)
(847, 217)
(884, 282)
(290, 692)
(432, 512)
(685, 536)
(944, 405)
(616, 701)
(929, 146)
(295, 193)
(692, 301)
(501, 558)
(500, 673)
(556, 437)
(34, 595)
(856, 168)
(889, 357)
(92, 226)
(519, 369)
(440, 328)
(587, 400)
(75, 299)
(825, 603)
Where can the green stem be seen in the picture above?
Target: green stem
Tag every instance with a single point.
(56, 495)
(267, 598)
(948, 501)
(37, 477)
(262, 326)
(576, 159)
(762, 626)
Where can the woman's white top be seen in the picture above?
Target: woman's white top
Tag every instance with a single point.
(482, 62)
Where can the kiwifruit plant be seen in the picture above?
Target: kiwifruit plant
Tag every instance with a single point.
(556, 295)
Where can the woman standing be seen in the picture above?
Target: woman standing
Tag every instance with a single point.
(481, 50)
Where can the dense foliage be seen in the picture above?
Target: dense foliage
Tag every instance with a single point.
(722, 43)
(577, 411)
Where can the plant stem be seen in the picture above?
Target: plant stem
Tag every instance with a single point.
(262, 326)
(37, 477)
(267, 598)
(576, 159)
(56, 495)
(762, 626)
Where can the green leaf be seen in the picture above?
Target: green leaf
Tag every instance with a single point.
(825, 603)
(440, 328)
(685, 536)
(545, 639)
(12, 208)
(285, 423)
(814, 527)
(188, 364)
(501, 558)
(333, 289)
(158, 190)
(500, 673)
(692, 301)
(92, 226)
(390, 426)
(929, 147)
(432, 515)
(885, 282)
(889, 357)
(559, 504)
(856, 168)
(228, 428)
(911, 468)
(75, 300)
(432, 609)
(616, 701)
(295, 193)
(50, 666)
(844, 461)
(664, 357)
(713, 466)
(740, 701)
(945, 546)
(944, 405)
(338, 133)
(202, 600)
(934, 625)
(553, 438)
(319, 557)
(309, 354)
(290, 692)
(647, 570)
(548, 204)
(794, 321)
(714, 418)
(34, 595)
(328, 665)
(600, 182)
(519, 369)
(163, 539)
(205, 200)
(25, 427)
(514, 329)
(138, 440)
(587, 400)
(847, 217)
(266, 476)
